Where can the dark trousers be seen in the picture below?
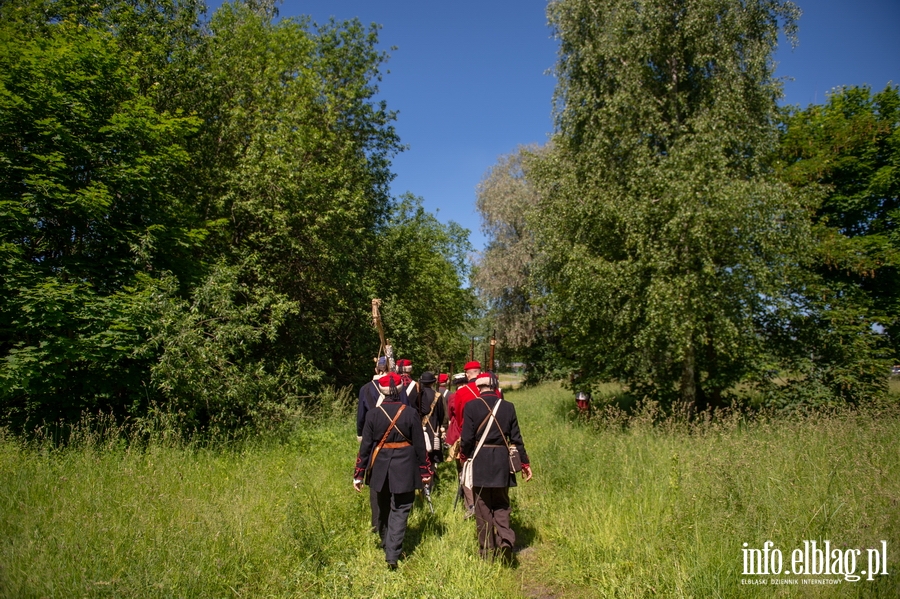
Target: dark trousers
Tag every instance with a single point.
(492, 519)
(393, 513)
(435, 457)
(373, 503)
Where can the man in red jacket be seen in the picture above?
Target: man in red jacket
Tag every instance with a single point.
(458, 401)
(463, 395)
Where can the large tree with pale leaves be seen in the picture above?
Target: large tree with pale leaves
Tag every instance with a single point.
(505, 197)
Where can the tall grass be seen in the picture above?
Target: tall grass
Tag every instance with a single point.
(665, 508)
(620, 507)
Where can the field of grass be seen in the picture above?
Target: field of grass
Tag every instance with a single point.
(619, 507)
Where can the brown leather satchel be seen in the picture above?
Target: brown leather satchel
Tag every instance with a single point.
(515, 462)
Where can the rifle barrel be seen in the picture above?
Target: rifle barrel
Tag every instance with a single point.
(493, 344)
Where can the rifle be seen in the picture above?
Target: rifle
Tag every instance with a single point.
(427, 492)
(385, 346)
(493, 343)
(472, 351)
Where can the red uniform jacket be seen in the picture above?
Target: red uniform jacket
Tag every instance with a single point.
(458, 402)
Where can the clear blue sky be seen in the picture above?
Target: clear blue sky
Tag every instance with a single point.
(469, 79)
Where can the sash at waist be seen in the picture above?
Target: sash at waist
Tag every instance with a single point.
(396, 445)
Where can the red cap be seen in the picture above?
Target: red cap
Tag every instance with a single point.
(404, 365)
(384, 383)
(443, 378)
(472, 366)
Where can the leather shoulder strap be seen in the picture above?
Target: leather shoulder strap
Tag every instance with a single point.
(491, 414)
(386, 433)
(434, 400)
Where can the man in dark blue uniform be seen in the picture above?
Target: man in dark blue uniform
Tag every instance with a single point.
(489, 429)
(369, 396)
(392, 460)
(409, 392)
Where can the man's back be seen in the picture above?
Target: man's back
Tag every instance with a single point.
(491, 465)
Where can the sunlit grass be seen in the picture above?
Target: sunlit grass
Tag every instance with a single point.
(894, 386)
(619, 507)
(511, 380)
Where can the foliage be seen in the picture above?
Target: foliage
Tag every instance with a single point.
(300, 177)
(193, 212)
(848, 152)
(215, 369)
(851, 147)
(90, 173)
(644, 510)
(669, 241)
(424, 265)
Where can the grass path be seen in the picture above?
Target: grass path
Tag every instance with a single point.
(645, 511)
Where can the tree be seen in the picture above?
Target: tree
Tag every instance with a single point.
(90, 175)
(423, 265)
(847, 322)
(505, 197)
(504, 275)
(193, 211)
(850, 147)
(298, 175)
(668, 239)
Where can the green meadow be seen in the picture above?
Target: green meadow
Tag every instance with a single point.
(621, 506)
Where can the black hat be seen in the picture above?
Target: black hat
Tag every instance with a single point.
(427, 378)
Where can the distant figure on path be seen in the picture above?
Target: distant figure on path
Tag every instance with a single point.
(444, 392)
(432, 413)
(410, 389)
(392, 460)
(490, 428)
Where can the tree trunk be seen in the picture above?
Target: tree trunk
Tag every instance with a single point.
(713, 393)
(688, 380)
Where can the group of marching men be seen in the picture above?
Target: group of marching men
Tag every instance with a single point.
(403, 426)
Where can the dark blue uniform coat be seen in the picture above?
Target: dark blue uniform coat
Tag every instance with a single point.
(368, 397)
(398, 470)
(491, 466)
